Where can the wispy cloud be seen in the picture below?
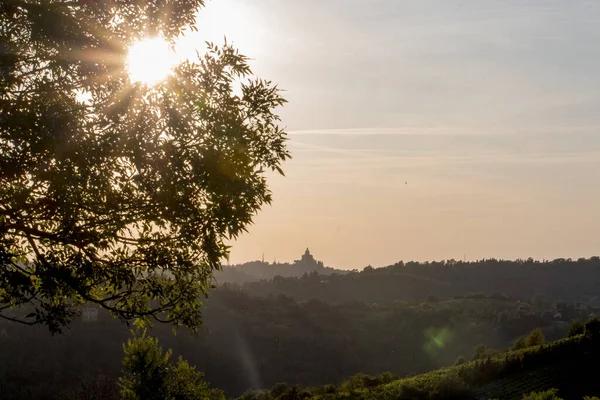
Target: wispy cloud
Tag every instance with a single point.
(377, 131)
(486, 109)
(457, 130)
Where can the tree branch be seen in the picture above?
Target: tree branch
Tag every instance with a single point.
(20, 321)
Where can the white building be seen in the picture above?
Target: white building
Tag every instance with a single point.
(89, 314)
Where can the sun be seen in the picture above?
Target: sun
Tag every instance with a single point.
(151, 60)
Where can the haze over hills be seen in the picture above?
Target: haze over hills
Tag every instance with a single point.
(142, 143)
(324, 326)
(550, 280)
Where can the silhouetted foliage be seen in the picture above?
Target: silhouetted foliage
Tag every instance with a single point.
(551, 394)
(592, 328)
(558, 281)
(460, 361)
(576, 328)
(520, 343)
(450, 387)
(255, 342)
(535, 338)
(482, 351)
(479, 352)
(150, 374)
(125, 199)
(567, 365)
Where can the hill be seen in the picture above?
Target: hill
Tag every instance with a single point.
(256, 342)
(550, 282)
(568, 365)
(261, 270)
(320, 329)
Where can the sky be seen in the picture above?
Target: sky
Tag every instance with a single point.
(426, 130)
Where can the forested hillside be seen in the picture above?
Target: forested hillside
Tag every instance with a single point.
(550, 281)
(568, 366)
(256, 342)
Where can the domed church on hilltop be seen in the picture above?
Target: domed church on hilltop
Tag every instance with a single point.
(308, 263)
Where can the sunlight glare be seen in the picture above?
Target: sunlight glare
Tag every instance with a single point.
(238, 21)
(150, 60)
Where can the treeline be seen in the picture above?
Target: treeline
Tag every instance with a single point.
(568, 365)
(255, 342)
(552, 281)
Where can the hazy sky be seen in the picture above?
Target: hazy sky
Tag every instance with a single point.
(488, 110)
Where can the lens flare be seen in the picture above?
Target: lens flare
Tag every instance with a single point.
(436, 340)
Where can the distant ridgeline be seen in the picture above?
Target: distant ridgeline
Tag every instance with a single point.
(257, 270)
(549, 282)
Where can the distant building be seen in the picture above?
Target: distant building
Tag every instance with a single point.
(558, 315)
(308, 263)
(307, 258)
(89, 314)
(257, 270)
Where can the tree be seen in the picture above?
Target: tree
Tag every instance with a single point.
(551, 394)
(519, 343)
(479, 352)
(124, 199)
(460, 360)
(535, 338)
(150, 374)
(450, 386)
(576, 328)
(592, 328)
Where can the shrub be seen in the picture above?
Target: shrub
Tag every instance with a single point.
(577, 328)
(450, 387)
(460, 361)
(535, 338)
(519, 344)
(149, 374)
(592, 328)
(551, 394)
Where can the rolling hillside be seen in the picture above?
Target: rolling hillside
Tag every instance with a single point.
(569, 365)
(553, 281)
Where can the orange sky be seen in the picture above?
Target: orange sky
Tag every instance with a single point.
(487, 110)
